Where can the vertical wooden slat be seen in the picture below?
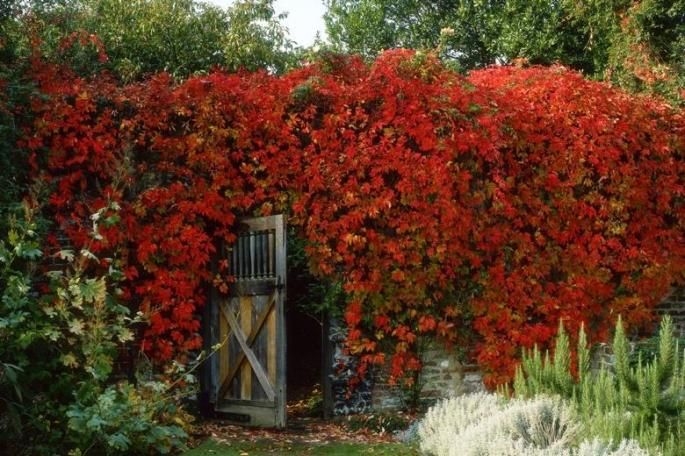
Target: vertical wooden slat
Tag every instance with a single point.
(265, 254)
(246, 326)
(210, 325)
(259, 346)
(246, 256)
(233, 353)
(240, 256)
(252, 255)
(243, 256)
(224, 360)
(255, 260)
(271, 346)
(259, 256)
(270, 260)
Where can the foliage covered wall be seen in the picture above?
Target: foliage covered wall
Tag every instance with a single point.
(480, 209)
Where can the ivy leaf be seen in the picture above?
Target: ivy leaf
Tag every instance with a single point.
(12, 237)
(125, 335)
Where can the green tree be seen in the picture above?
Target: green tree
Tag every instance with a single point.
(473, 33)
(370, 26)
(181, 37)
(638, 45)
(256, 38)
(146, 36)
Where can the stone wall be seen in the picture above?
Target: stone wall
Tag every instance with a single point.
(443, 375)
(342, 367)
(674, 305)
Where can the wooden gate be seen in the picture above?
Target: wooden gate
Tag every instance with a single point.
(248, 372)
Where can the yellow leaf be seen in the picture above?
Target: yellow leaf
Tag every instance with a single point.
(69, 360)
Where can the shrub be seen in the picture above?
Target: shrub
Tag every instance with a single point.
(61, 327)
(642, 400)
(486, 424)
(10, 399)
(124, 419)
(453, 416)
(598, 447)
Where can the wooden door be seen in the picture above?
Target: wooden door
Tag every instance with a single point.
(250, 366)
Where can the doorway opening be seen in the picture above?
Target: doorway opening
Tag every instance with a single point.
(304, 314)
(312, 304)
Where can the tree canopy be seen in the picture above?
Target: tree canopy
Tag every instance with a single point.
(639, 45)
(143, 37)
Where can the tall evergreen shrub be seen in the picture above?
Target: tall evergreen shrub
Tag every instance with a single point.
(641, 398)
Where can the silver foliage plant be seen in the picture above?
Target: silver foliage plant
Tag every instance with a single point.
(483, 424)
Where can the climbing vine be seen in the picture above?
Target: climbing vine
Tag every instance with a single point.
(476, 209)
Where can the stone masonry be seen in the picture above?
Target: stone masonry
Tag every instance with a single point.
(443, 375)
(674, 305)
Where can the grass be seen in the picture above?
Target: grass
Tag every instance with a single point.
(213, 448)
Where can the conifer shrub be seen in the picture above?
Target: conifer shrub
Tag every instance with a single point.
(641, 399)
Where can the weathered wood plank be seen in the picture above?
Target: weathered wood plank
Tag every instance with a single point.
(239, 356)
(259, 303)
(256, 416)
(272, 351)
(245, 326)
(249, 354)
(225, 360)
(281, 273)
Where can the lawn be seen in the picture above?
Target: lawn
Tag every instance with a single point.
(213, 448)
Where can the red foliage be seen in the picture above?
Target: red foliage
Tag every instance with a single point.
(586, 217)
(496, 204)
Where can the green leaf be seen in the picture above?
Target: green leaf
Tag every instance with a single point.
(32, 254)
(95, 423)
(93, 290)
(119, 441)
(12, 237)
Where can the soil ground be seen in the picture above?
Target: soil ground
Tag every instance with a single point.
(305, 435)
